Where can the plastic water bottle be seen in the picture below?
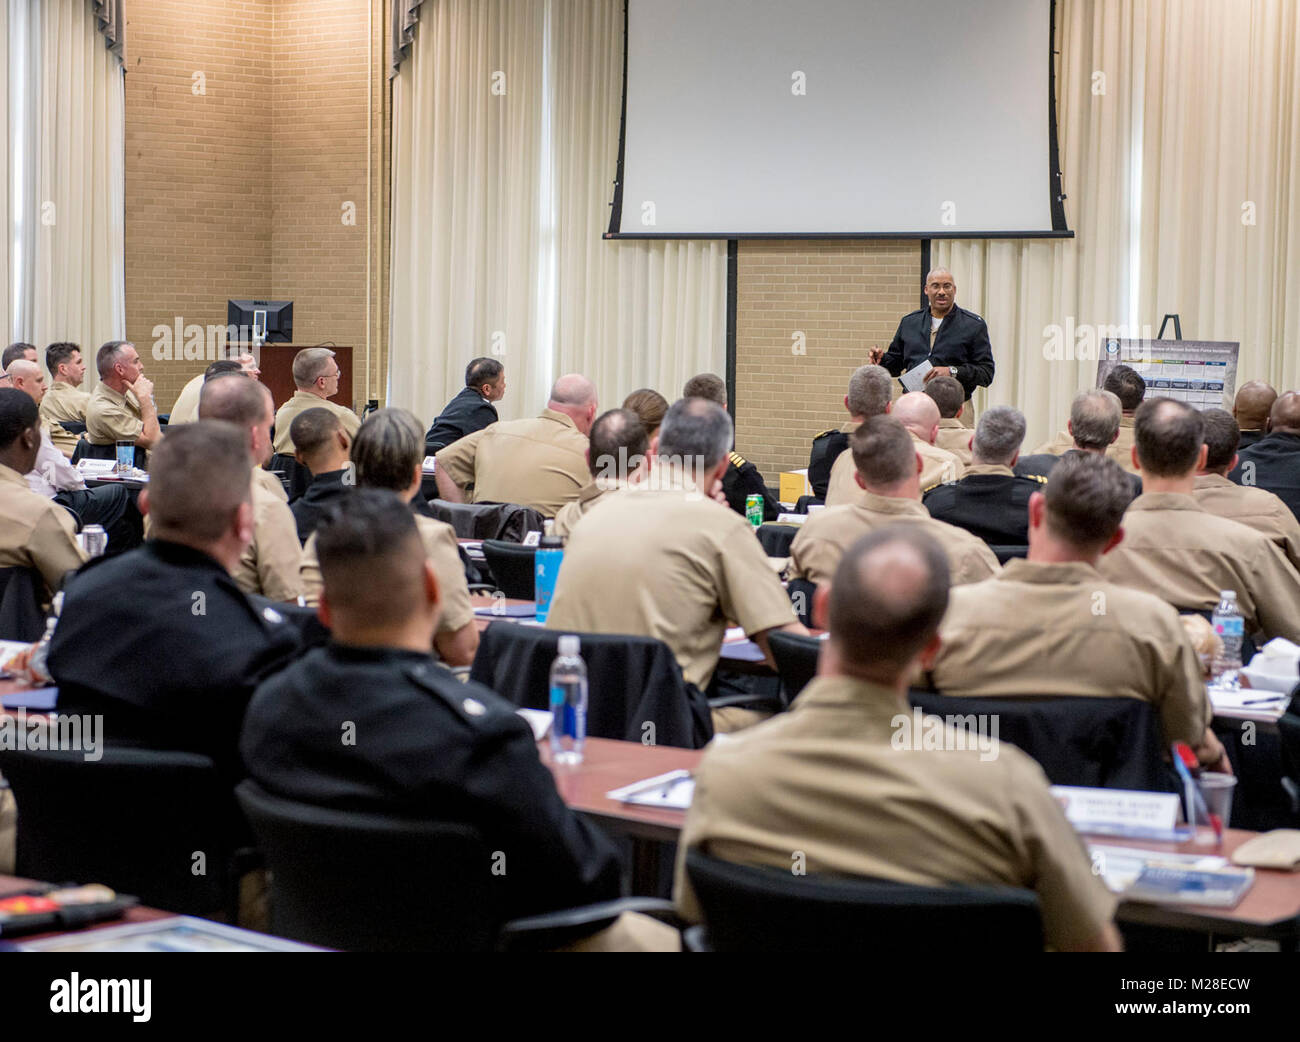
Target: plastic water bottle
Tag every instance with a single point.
(546, 570)
(568, 702)
(1230, 627)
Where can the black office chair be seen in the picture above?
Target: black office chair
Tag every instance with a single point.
(73, 426)
(804, 502)
(632, 682)
(796, 660)
(1288, 729)
(1006, 553)
(506, 521)
(87, 450)
(1098, 743)
(776, 539)
(801, 598)
(162, 826)
(372, 882)
(757, 909)
(293, 475)
(512, 567)
(21, 594)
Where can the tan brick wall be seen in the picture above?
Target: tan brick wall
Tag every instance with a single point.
(844, 296)
(238, 191)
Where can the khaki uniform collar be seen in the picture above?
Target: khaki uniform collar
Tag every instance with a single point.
(878, 704)
(1165, 501)
(1069, 573)
(889, 505)
(849, 426)
(62, 385)
(12, 476)
(989, 468)
(1127, 419)
(1213, 481)
(952, 423)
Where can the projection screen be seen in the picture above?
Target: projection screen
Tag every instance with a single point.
(925, 118)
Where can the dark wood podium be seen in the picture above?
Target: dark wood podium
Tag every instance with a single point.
(277, 372)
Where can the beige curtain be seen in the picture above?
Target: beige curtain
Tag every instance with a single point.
(630, 313)
(6, 199)
(466, 263)
(67, 227)
(499, 204)
(1190, 132)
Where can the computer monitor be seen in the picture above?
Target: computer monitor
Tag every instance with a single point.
(267, 321)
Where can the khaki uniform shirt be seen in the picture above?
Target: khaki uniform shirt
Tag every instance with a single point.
(270, 564)
(1061, 444)
(671, 564)
(954, 436)
(539, 462)
(112, 417)
(186, 409)
(835, 780)
(1060, 629)
(1121, 449)
(439, 541)
(301, 402)
(823, 538)
(270, 483)
(1257, 508)
(62, 401)
(1185, 555)
(36, 532)
(571, 513)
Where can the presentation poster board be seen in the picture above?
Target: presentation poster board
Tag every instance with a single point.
(1202, 373)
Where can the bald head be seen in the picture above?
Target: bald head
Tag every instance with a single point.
(1252, 405)
(28, 377)
(917, 412)
(1284, 417)
(887, 599)
(246, 404)
(575, 396)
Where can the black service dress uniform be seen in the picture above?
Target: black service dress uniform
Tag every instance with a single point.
(990, 503)
(961, 342)
(468, 412)
(742, 480)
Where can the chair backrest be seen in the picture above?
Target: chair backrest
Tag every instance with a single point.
(776, 539)
(1006, 553)
(160, 825)
(21, 593)
(632, 682)
(1288, 729)
(796, 660)
(295, 477)
(371, 882)
(87, 450)
(507, 521)
(804, 502)
(511, 565)
(1107, 743)
(73, 426)
(758, 909)
(801, 598)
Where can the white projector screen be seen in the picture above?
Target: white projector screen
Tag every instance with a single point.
(926, 118)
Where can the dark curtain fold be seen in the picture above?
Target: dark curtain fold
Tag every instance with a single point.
(406, 15)
(111, 19)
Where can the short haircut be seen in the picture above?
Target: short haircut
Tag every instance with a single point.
(387, 448)
(234, 398)
(696, 429)
(18, 413)
(13, 351)
(1222, 436)
(948, 394)
(370, 551)
(999, 434)
(107, 355)
(312, 429)
(617, 437)
(650, 406)
(198, 476)
(59, 354)
(309, 365)
(888, 596)
(482, 371)
(222, 365)
(1285, 413)
(1094, 419)
(870, 390)
(1127, 385)
(1086, 496)
(883, 451)
(1169, 435)
(707, 386)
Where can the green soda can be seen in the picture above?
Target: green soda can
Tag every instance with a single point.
(754, 509)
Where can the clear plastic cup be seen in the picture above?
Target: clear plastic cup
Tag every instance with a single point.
(1217, 789)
